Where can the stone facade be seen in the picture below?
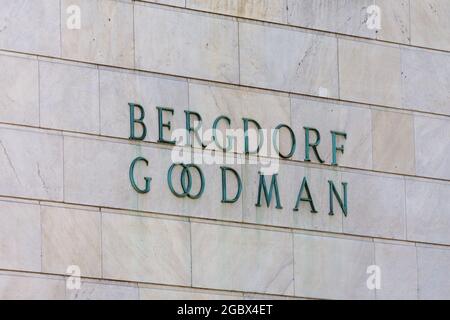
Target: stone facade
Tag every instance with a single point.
(65, 152)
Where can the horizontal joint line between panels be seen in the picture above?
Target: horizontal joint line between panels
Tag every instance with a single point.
(205, 220)
(206, 81)
(287, 25)
(138, 284)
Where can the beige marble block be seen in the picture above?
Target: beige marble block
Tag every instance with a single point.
(376, 205)
(428, 210)
(241, 259)
(398, 267)
(267, 10)
(105, 35)
(118, 88)
(268, 109)
(430, 23)
(145, 249)
(104, 167)
(381, 19)
(19, 90)
(332, 268)
(425, 80)
(23, 286)
(186, 43)
(289, 180)
(32, 163)
(340, 16)
(395, 21)
(103, 290)
(432, 146)
(71, 237)
(433, 266)
(20, 237)
(353, 120)
(69, 97)
(370, 72)
(287, 59)
(393, 142)
(30, 26)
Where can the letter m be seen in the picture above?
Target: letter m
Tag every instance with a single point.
(268, 193)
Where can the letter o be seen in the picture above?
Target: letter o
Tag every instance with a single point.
(275, 138)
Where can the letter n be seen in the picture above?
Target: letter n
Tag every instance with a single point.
(333, 193)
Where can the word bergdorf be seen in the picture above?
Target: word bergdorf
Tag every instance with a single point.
(266, 190)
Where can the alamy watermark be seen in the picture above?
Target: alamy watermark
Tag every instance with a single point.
(73, 21)
(373, 21)
(73, 282)
(374, 280)
(262, 147)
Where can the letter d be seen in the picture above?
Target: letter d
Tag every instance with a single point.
(224, 185)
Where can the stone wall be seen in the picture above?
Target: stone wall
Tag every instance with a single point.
(65, 151)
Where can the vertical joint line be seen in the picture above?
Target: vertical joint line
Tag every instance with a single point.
(39, 90)
(293, 260)
(99, 103)
(410, 25)
(190, 246)
(134, 35)
(101, 242)
(338, 68)
(239, 49)
(60, 27)
(375, 262)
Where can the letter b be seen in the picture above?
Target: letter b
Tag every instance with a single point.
(134, 121)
